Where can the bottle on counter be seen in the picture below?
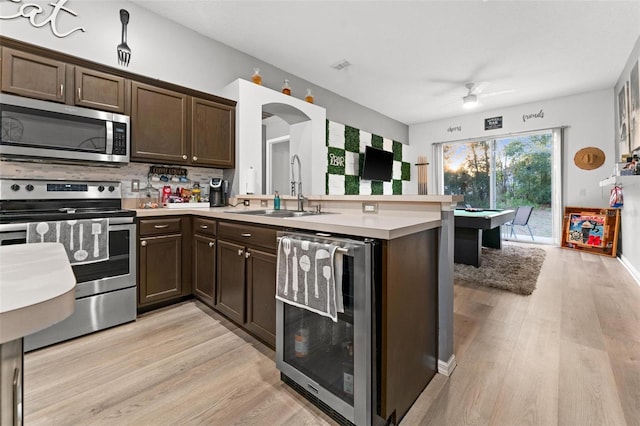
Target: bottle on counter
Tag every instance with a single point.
(286, 89)
(276, 201)
(302, 339)
(256, 77)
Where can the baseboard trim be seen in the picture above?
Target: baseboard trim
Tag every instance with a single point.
(447, 367)
(633, 271)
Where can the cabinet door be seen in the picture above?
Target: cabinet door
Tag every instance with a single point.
(261, 293)
(33, 76)
(160, 269)
(98, 90)
(158, 124)
(212, 134)
(230, 290)
(204, 268)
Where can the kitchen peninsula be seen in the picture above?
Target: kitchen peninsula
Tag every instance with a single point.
(416, 234)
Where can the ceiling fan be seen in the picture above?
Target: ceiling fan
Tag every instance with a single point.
(474, 91)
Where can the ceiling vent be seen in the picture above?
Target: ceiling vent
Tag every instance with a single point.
(341, 65)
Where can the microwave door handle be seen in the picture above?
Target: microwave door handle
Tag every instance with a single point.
(109, 145)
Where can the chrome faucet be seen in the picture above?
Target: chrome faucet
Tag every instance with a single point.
(295, 158)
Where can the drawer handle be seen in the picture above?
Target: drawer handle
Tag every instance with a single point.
(240, 252)
(245, 234)
(160, 226)
(143, 243)
(247, 254)
(211, 244)
(203, 226)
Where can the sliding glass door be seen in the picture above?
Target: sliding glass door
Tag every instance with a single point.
(505, 173)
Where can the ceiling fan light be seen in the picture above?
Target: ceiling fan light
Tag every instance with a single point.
(470, 101)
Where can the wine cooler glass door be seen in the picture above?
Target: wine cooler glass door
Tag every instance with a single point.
(332, 360)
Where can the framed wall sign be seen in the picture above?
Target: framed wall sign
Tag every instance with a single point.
(493, 123)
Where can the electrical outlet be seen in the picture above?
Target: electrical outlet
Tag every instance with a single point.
(135, 185)
(263, 203)
(246, 203)
(369, 207)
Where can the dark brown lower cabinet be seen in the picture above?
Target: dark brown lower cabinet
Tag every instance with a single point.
(160, 268)
(246, 279)
(230, 295)
(204, 268)
(261, 292)
(163, 244)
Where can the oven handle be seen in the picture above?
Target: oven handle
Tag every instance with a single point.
(22, 226)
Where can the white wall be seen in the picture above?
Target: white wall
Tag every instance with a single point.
(630, 244)
(170, 52)
(589, 119)
(307, 142)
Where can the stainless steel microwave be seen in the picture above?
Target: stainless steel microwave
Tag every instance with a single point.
(37, 130)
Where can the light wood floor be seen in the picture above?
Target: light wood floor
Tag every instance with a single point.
(569, 354)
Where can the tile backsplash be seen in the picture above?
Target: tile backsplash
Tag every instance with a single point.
(124, 174)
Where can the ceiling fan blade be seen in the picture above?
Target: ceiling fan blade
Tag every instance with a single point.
(478, 88)
(500, 92)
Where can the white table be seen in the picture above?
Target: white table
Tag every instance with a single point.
(37, 289)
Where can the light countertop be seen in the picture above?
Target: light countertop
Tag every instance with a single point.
(381, 226)
(37, 288)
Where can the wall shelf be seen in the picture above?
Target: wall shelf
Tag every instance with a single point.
(613, 180)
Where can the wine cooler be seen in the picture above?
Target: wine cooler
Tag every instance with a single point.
(333, 363)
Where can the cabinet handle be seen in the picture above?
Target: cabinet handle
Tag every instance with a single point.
(203, 226)
(79, 93)
(245, 234)
(195, 158)
(240, 252)
(184, 157)
(61, 90)
(211, 244)
(143, 243)
(17, 397)
(160, 226)
(247, 254)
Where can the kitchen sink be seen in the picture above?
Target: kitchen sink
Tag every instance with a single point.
(277, 213)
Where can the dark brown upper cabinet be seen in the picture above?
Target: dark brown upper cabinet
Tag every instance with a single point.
(99, 90)
(212, 134)
(158, 124)
(33, 76)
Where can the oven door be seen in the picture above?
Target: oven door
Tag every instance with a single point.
(118, 272)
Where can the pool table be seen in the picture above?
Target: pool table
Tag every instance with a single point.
(474, 229)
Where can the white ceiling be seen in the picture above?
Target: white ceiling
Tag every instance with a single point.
(411, 59)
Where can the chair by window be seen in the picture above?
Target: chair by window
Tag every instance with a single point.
(523, 213)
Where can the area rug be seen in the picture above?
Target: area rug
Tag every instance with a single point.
(513, 268)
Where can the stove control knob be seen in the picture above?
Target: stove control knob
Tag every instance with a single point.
(112, 188)
(101, 188)
(29, 187)
(15, 187)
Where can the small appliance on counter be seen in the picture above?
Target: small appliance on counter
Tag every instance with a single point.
(218, 192)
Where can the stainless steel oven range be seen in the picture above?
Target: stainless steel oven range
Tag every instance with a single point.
(106, 288)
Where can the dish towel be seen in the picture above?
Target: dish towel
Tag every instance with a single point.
(86, 241)
(307, 276)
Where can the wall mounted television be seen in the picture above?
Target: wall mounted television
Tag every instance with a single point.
(377, 165)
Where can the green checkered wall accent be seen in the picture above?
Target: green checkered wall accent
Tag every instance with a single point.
(345, 154)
